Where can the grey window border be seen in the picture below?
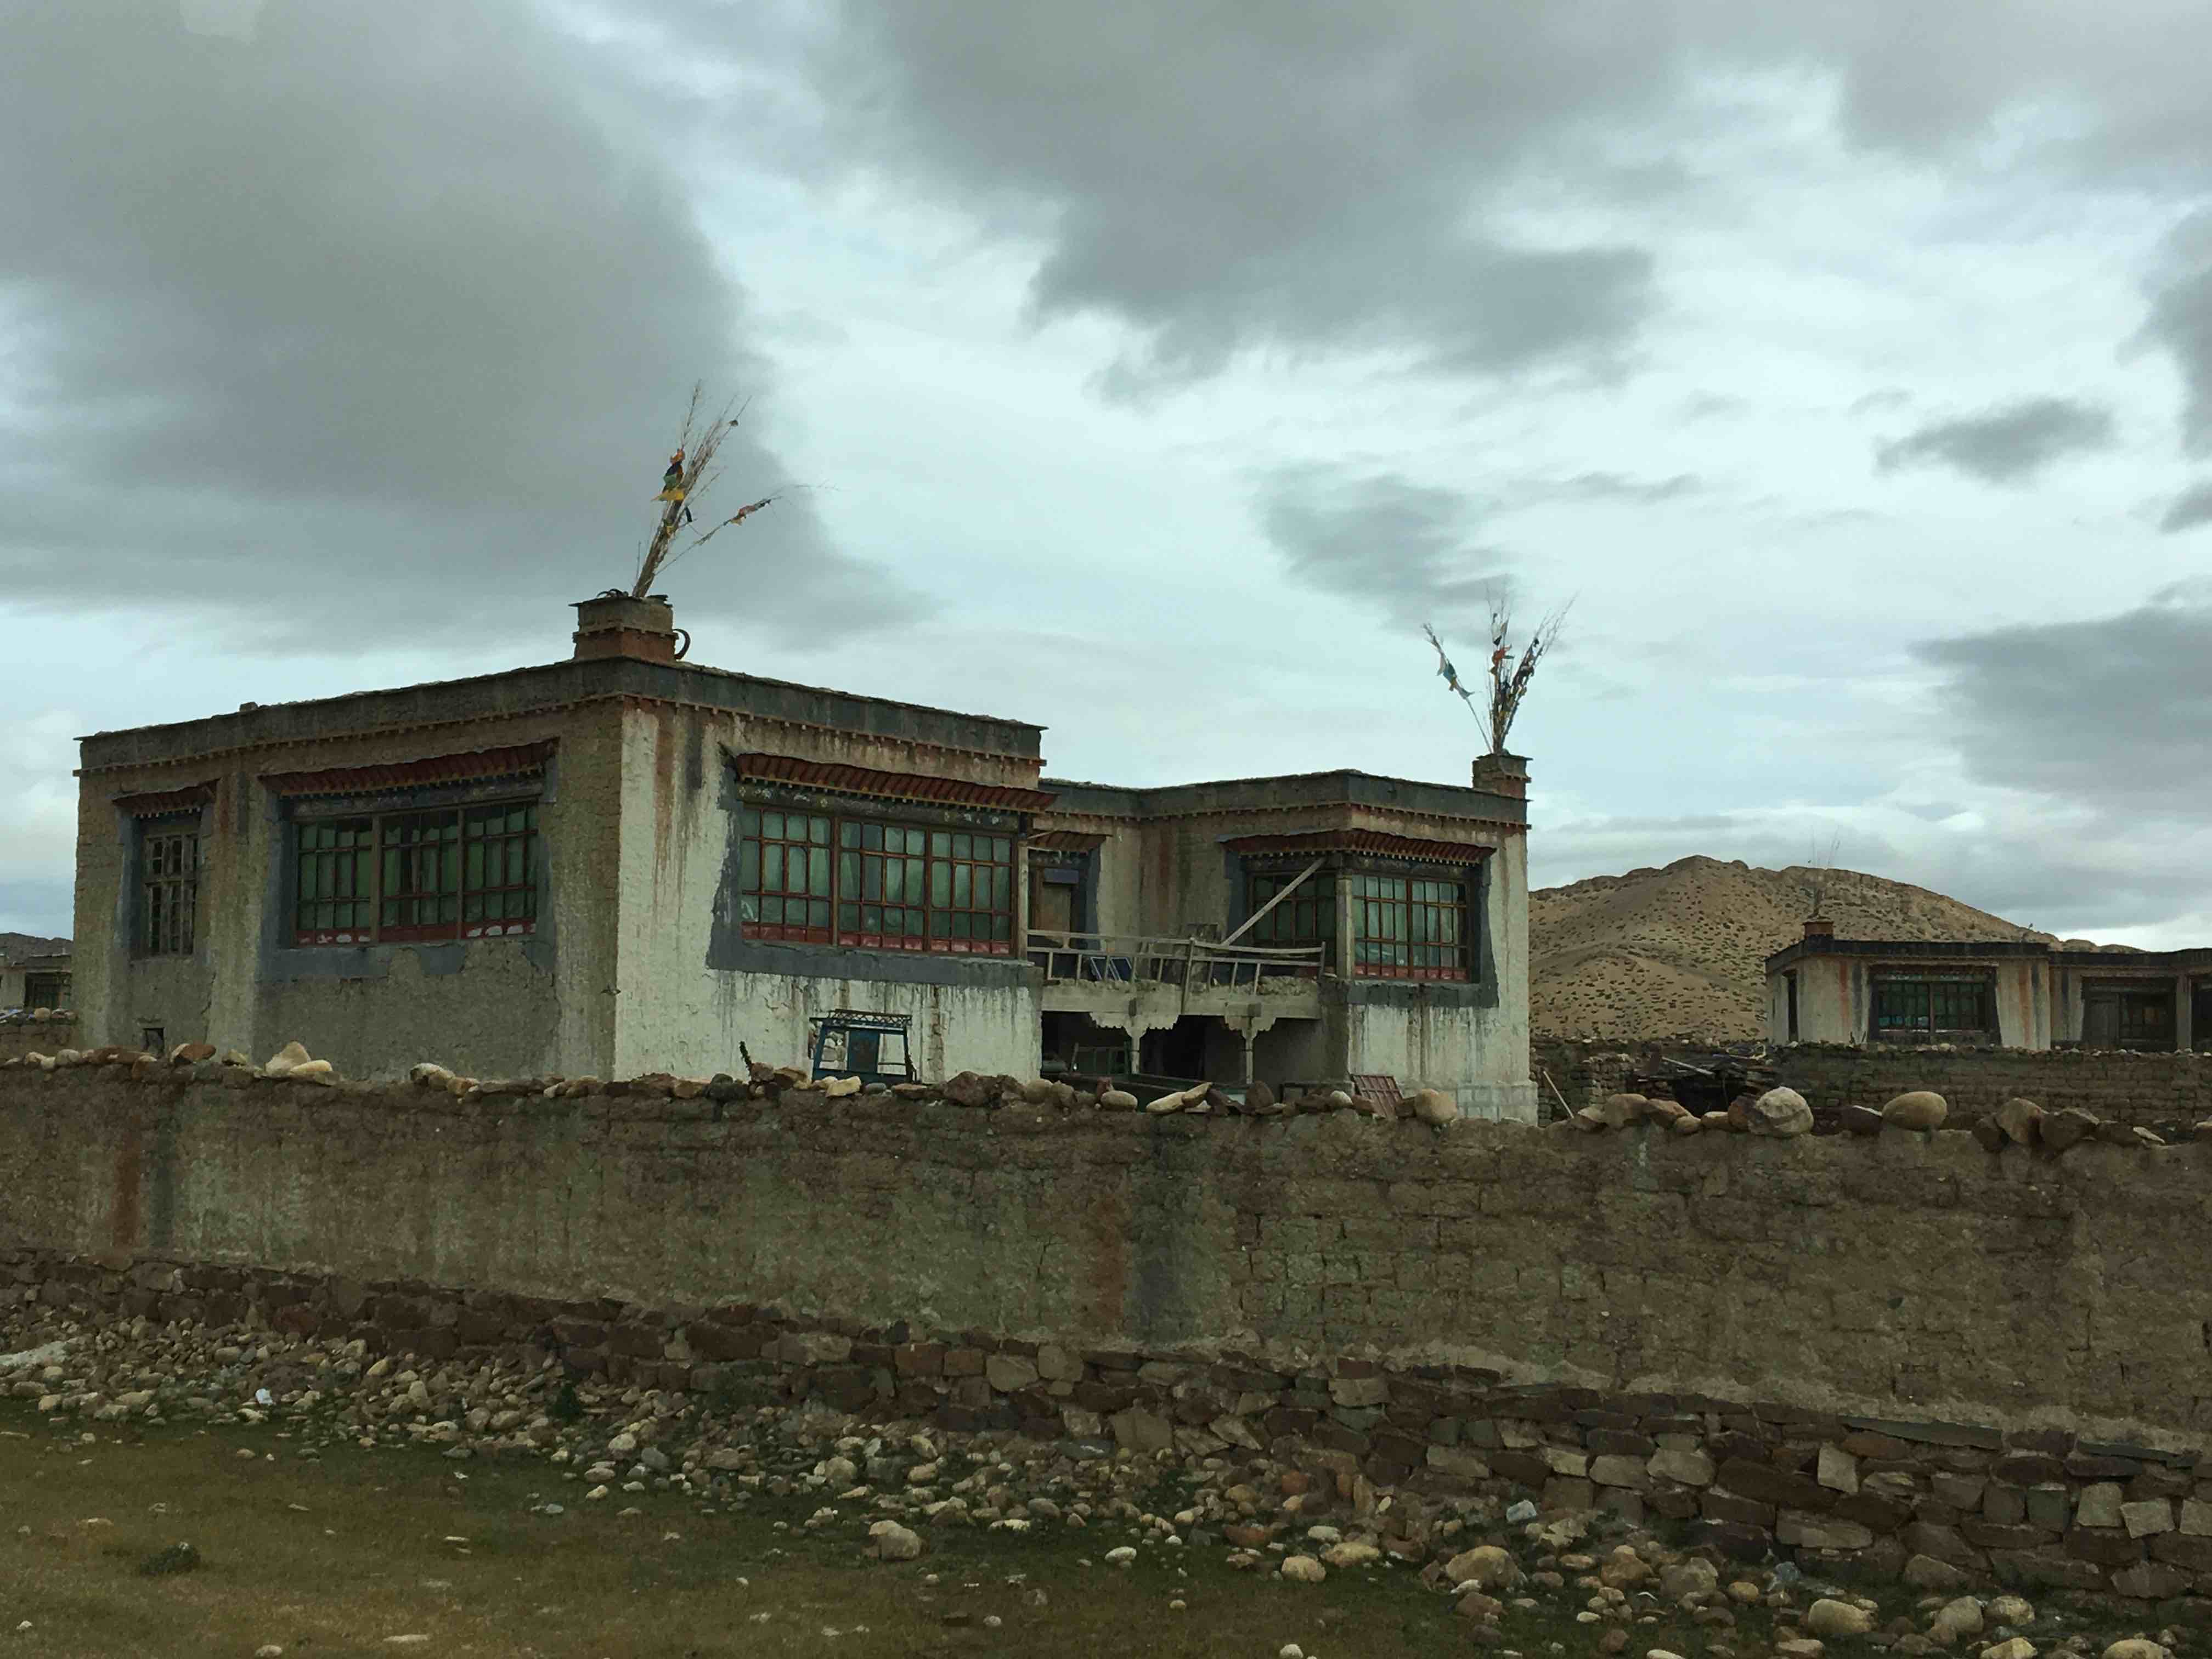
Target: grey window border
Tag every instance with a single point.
(285, 963)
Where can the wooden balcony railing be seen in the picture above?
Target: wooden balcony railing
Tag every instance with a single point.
(1194, 965)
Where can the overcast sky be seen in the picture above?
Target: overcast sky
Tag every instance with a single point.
(1153, 371)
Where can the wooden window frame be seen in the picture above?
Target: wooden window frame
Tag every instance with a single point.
(1302, 921)
(169, 889)
(851, 903)
(1412, 924)
(396, 887)
(1917, 998)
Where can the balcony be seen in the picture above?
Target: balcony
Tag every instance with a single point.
(1115, 977)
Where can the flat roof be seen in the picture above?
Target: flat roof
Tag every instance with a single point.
(518, 691)
(1342, 785)
(2118, 959)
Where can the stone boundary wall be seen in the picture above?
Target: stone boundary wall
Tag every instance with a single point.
(1879, 1348)
(22, 1037)
(1940, 1504)
(2168, 1092)
(1585, 1072)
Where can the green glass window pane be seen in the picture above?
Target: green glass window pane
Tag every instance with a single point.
(962, 874)
(871, 919)
(848, 834)
(871, 837)
(913, 881)
(848, 918)
(817, 913)
(848, 873)
(449, 868)
(473, 911)
(772, 825)
(940, 924)
(817, 871)
(960, 924)
(964, 846)
(476, 864)
(940, 884)
(872, 879)
(517, 863)
(772, 911)
(749, 867)
(940, 843)
(1002, 887)
(749, 821)
(817, 831)
(893, 881)
(772, 868)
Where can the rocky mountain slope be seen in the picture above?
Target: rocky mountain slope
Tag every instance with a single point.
(13, 947)
(1679, 951)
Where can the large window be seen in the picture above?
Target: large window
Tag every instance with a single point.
(452, 872)
(816, 879)
(1305, 919)
(2128, 1017)
(1906, 1005)
(168, 889)
(1409, 927)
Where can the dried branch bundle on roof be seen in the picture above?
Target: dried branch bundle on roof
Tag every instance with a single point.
(691, 473)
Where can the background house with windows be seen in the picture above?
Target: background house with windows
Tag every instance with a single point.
(35, 979)
(624, 862)
(2028, 993)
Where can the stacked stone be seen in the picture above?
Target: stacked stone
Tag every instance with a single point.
(1938, 1504)
(786, 1086)
(1783, 1113)
(2157, 1091)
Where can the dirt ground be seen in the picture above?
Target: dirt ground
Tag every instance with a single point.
(400, 1551)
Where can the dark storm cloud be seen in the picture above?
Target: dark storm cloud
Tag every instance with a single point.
(1304, 176)
(2181, 320)
(2008, 445)
(1406, 550)
(362, 320)
(1301, 176)
(2112, 708)
(2192, 508)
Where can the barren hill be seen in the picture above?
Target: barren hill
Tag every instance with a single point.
(1679, 952)
(13, 947)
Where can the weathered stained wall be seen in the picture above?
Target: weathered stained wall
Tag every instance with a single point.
(38, 1037)
(2146, 1089)
(2071, 1291)
(691, 991)
(516, 1006)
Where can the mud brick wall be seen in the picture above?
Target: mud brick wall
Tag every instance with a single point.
(2143, 1090)
(36, 1037)
(1585, 1072)
(1901, 1275)
(1900, 1352)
